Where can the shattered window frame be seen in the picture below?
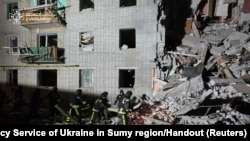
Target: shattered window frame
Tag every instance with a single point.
(11, 8)
(12, 77)
(86, 40)
(43, 2)
(127, 38)
(12, 41)
(127, 3)
(126, 78)
(85, 4)
(86, 78)
(47, 77)
(47, 40)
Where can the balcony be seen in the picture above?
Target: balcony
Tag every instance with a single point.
(43, 16)
(41, 55)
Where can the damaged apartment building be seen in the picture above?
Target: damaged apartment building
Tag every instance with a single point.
(93, 45)
(184, 55)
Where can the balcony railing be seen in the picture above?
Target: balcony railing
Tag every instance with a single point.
(40, 55)
(43, 16)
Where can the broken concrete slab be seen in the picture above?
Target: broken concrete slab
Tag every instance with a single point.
(242, 88)
(185, 88)
(191, 41)
(217, 50)
(191, 71)
(238, 36)
(214, 39)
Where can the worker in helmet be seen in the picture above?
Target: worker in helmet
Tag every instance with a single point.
(124, 107)
(54, 99)
(99, 107)
(77, 101)
(119, 97)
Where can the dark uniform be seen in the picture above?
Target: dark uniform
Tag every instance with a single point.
(35, 102)
(76, 102)
(54, 99)
(99, 107)
(124, 107)
(18, 99)
(119, 97)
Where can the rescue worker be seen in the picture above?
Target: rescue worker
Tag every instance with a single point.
(99, 107)
(54, 99)
(76, 103)
(119, 97)
(35, 102)
(18, 99)
(124, 107)
(18, 93)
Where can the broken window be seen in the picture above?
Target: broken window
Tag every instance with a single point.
(47, 40)
(47, 78)
(125, 3)
(43, 6)
(12, 77)
(127, 38)
(126, 78)
(43, 2)
(84, 4)
(86, 77)
(48, 47)
(11, 9)
(87, 40)
(13, 43)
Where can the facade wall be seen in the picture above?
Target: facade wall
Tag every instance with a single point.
(105, 20)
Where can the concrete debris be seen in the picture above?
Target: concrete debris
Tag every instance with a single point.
(196, 120)
(204, 81)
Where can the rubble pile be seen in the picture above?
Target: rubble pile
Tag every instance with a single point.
(206, 80)
(217, 105)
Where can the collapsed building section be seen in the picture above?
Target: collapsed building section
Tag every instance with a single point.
(205, 78)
